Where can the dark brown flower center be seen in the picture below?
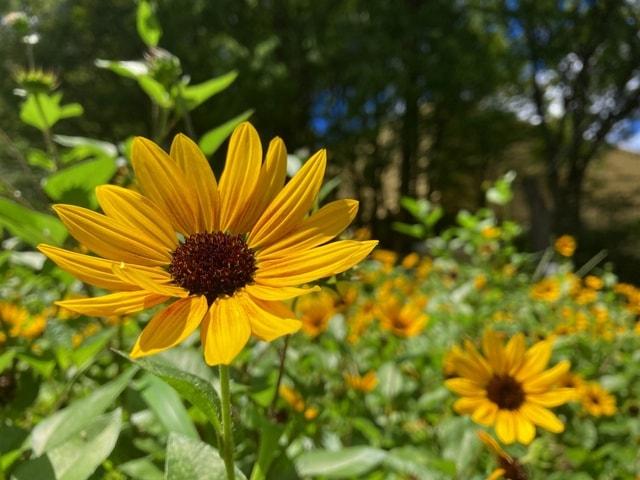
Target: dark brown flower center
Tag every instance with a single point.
(213, 264)
(506, 392)
(512, 469)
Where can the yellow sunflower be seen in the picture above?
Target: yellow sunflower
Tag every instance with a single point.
(403, 320)
(223, 254)
(596, 400)
(507, 387)
(363, 383)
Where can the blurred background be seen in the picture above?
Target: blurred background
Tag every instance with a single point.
(430, 100)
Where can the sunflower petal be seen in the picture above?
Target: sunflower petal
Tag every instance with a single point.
(525, 430)
(271, 180)
(535, 359)
(146, 282)
(225, 331)
(547, 378)
(494, 351)
(138, 212)
(291, 204)
(162, 180)
(468, 405)
(514, 353)
(506, 426)
(270, 320)
(552, 398)
(465, 387)
(542, 417)
(170, 326)
(199, 175)
(485, 414)
(240, 175)
(264, 292)
(319, 228)
(121, 303)
(313, 264)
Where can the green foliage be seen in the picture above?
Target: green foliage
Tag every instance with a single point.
(43, 111)
(30, 226)
(148, 26)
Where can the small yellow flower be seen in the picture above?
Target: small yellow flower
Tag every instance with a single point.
(480, 281)
(593, 282)
(547, 290)
(490, 232)
(509, 387)
(596, 400)
(411, 260)
(311, 413)
(565, 245)
(424, 268)
(292, 397)
(315, 310)
(225, 252)
(386, 257)
(585, 296)
(360, 319)
(404, 320)
(363, 383)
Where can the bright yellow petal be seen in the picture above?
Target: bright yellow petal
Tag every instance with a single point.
(542, 417)
(494, 351)
(170, 326)
(138, 212)
(525, 431)
(121, 303)
(225, 331)
(536, 359)
(506, 426)
(271, 320)
(290, 205)
(129, 274)
(468, 405)
(544, 380)
(552, 398)
(465, 387)
(319, 228)
(111, 239)
(263, 292)
(240, 175)
(310, 265)
(485, 414)
(271, 180)
(200, 177)
(514, 352)
(162, 180)
(497, 474)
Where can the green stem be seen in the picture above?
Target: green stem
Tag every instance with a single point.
(225, 400)
(46, 133)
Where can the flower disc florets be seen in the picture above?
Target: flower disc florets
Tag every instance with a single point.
(506, 392)
(213, 264)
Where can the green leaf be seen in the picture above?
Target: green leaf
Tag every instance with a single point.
(193, 388)
(127, 69)
(188, 459)
(43, 366)
(43, 111)
(194, 95)
(78, 457)
(38, 158)
(416, 231)
(344, 463)
(156, 92)
(390, 379)
(30, 226)
(90, 145)
(6, 359)
(148, 26)
(211, 140)
(76, 184)
(63, 424)
(141, 469)
(168, 407)
(85, 354)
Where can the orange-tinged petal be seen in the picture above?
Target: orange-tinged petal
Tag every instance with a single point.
(271, 180)
(497, 474)
(525, 431)
(121, 303)
(225, 331)
(270, 320)
(506, 426)
(291, 204)
(162, 180)
(159, 284)
(514, 352)
(552, 398)
(138, 212)
(170, 326)
(465, 387)
(310, 265)
(544, 380)
(264, 292)
(468, 405)
(319, 228)
(200, 177)
(536, 359)
(111, 239)
(542, 417)
(240, 175)
(485, 414)
(494, 351)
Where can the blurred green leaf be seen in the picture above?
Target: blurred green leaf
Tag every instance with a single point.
(90, 146)
(194, 95)
(211, 140)
(41, 159)
(147, 24)
(345, 463)
(63, 424)
(167, 406)
(156, 92)
(188, 459)
(141, 469)
(30, 226)
(86, 353)
(76, 184)
(79, 456)
(43, 111)
(127, 69)
(389, 380)
(41, 365)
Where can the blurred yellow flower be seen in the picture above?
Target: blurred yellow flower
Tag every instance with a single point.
(310, 413)
(411, 260)
(404, 320)
(360, 319)
(424, 268)
(18, 322)
(490, 232)
(292, 397)
(509, 387)
(509, 468)
(546, 290)
(593, 282)
(596, 400)
(226, 254)
(363, 383)
(480, 281)
(565, 245)
(315, 310)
